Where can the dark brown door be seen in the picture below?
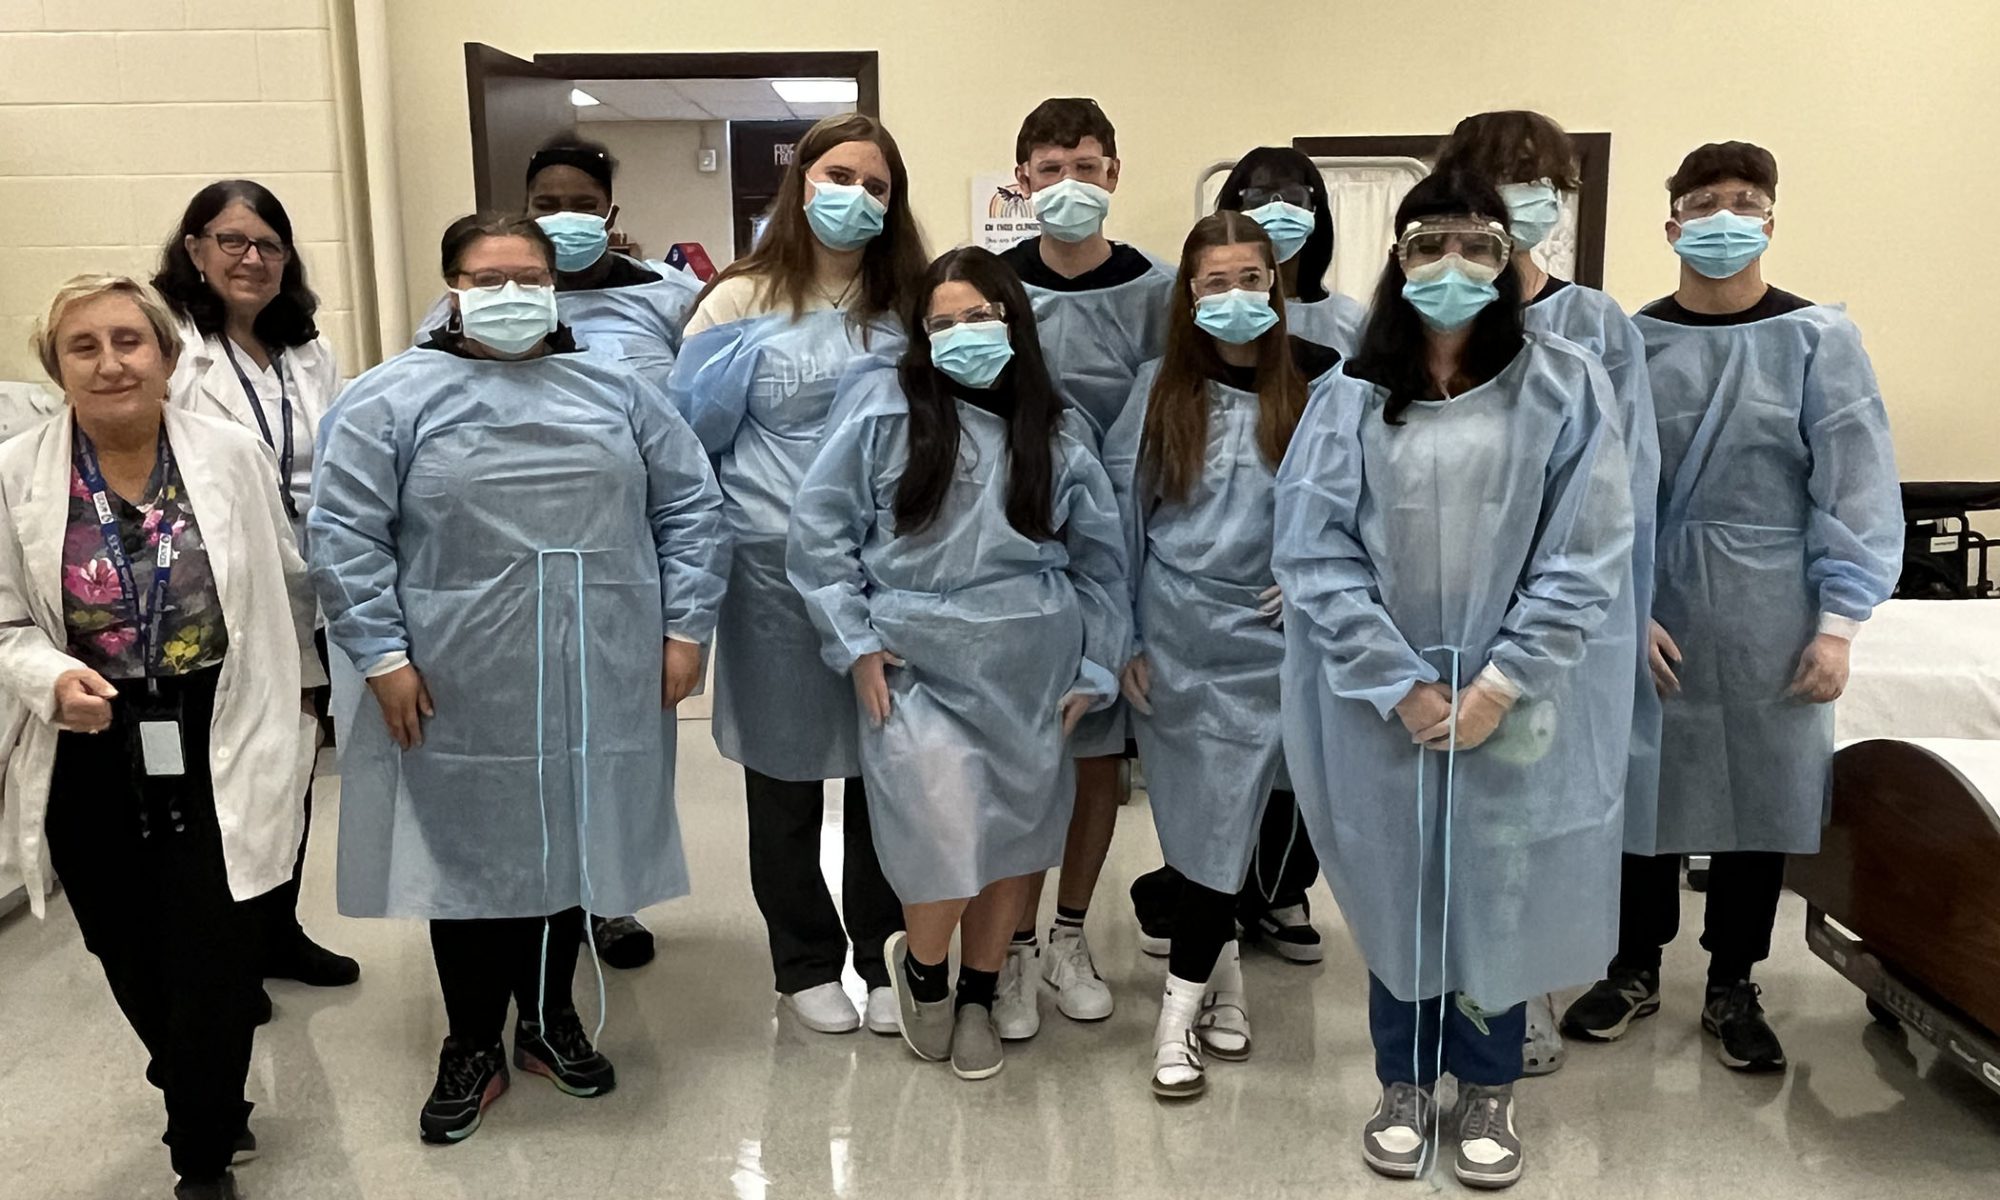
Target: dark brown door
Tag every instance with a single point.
(516, 106)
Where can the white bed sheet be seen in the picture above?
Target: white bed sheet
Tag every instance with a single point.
(1925, 669)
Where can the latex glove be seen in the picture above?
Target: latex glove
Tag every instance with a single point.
(1074, 706)
(680, 671)
(1272, 605)
(871, 686)
(1822, 673)
(1136, 681)
(1664, 657)
(405, 702)
(83, 701)
(1480, 709)
(1424, 706)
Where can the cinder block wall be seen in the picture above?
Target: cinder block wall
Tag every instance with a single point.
(114, 112)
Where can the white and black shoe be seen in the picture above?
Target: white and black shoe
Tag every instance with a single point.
(1286, 932)
(1607, 1010)
(1744, 1041)
(1397, 1139)
(1489, 1151)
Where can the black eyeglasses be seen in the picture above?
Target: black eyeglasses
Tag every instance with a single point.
(236, 245)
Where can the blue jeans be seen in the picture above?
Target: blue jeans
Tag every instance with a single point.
(1489, 1059)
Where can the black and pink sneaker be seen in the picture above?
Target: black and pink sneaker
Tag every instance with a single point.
(561, 1052)
(468, 1082)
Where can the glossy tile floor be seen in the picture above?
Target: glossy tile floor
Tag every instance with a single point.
(719, 1096)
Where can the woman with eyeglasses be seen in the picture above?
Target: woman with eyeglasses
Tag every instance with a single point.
(767, 346)
(1193, 458)
(957, 546)
(1454, 521)
(233, 274)
(518, 545)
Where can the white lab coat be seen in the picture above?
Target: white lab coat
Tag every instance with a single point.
(261, 745)
(204, 382)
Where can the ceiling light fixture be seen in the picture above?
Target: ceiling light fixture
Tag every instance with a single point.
(816, 91)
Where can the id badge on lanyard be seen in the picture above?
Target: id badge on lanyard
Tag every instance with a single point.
(159, 717)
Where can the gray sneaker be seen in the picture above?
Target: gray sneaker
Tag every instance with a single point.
(925, 1027)
(1489, 1152)
(975, 1044)
(1397, 1137)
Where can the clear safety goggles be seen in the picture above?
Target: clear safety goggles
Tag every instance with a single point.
(1706, 202)
(1249, 279)
(1480, 243)
(1296, 194)
(993, 311)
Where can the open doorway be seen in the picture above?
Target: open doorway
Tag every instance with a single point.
(702, 139)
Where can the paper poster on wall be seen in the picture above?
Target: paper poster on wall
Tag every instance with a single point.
(1001, 214)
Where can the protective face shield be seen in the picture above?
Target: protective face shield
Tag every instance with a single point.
(972, 353)
(1723, 243)
(1449, 265)
(1533, 211)
(844, 216)
(1072, 210)
(1235, 316)
(510, 318)
(1288, 224)
(581, 238)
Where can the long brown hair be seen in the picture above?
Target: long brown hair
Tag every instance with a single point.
(893, 264)
(1174, 444)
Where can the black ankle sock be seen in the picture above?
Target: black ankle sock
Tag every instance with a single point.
(1024, 937)
(928, 984)
(1066, 915)
(975, 987)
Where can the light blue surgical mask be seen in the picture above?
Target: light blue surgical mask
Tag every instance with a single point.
(1722, 244)
(1071, 211)
(1449, 293)
(844, 216)
(1287, 224)
(973, 353)
(1235, 316)
(1534, 210)
(509, 318)
(581, 238)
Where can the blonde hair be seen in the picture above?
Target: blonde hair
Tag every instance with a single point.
(84, 288)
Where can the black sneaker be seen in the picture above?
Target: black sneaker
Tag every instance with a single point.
(1154, 896)
(468, 1082)
(260, 1008)
(621, 942)
(1607, 1010)
(1743, 1039)
(213, 1189)
(562, 1053)
(302, 959)
(244, 1149)
(1287, 932)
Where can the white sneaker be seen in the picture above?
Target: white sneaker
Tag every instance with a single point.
(1543, 1053)
(824, 1009)
(882, 1016)
(1081, 992)
(1017, 1010)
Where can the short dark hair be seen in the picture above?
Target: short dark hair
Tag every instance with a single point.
(461, 234)
(1512, 146)
(567, 150)
(1725, 160)
(1065, 121)
(288, 319)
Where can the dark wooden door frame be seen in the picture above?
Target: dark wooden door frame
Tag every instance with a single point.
(1593, 151)
(862, 66)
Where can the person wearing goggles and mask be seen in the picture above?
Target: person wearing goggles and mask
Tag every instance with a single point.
(617, 306)
(1101, 307)
(1193, 458)
(504, 532)
(1453, 523)
(1780, 530)
(1535, 165)
(980, 610)
(767, 347)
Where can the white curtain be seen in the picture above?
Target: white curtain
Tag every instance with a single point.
(1365, 193)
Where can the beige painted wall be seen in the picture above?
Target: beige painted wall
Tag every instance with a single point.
(1881, 116)
(662, 198)
(114, 112)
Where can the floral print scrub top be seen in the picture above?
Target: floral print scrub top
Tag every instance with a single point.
(102, 633)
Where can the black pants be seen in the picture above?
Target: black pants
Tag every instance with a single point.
(1743, 891)
(1281, 870)
(808, 942)
(1204, 922)
(482, 964)
(154, 906)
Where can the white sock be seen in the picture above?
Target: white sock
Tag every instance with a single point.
(1227, 977)
(1178, 1009)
